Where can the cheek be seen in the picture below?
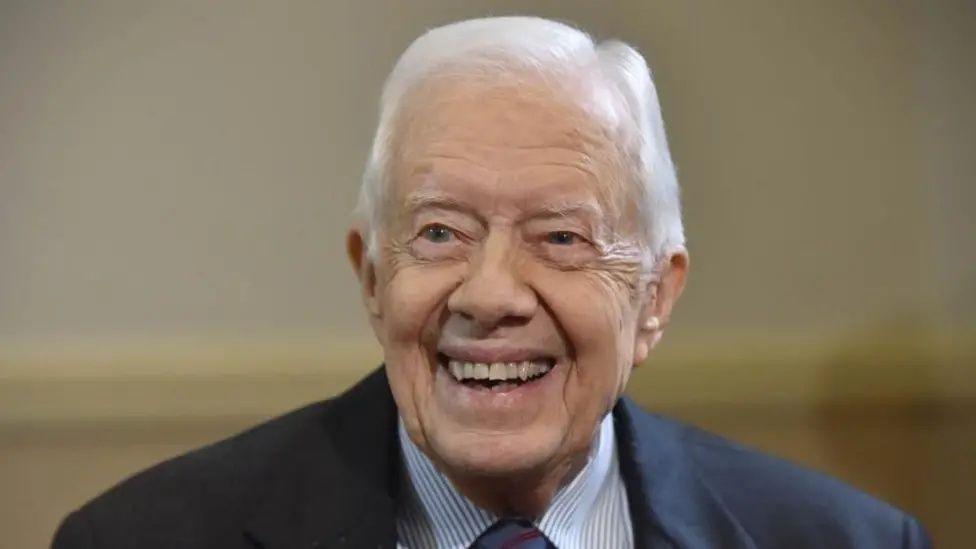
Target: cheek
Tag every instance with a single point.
(412, 299)
(594, 308)
(595, 312)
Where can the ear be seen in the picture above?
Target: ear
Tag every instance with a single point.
(662, 293)
(365, 271)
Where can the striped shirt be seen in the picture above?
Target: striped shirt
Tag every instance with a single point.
(589, 511)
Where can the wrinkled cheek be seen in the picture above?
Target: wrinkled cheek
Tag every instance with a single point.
(414, 297)
(596, 320)
(609, 312)
(404, 347)
(409, 304)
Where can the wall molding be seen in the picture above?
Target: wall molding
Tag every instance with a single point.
(128, 380)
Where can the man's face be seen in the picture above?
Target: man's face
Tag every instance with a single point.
(508, 252)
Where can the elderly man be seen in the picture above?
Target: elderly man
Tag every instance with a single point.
(519, 247)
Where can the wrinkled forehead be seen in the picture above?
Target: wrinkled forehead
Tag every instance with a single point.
(513, 111)
(521, 130)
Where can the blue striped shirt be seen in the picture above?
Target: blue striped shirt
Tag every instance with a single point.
(589, 511)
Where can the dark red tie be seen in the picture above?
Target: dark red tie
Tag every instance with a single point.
(512, 533)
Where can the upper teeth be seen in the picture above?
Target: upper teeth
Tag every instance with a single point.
(500, 371)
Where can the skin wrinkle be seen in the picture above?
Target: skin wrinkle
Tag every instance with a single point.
(578, 132)
(586, 86)
(619, 260)
(503, 169)
(585, 166)
(616, 251)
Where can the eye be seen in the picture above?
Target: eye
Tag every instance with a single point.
(563, 238)
(437, 233)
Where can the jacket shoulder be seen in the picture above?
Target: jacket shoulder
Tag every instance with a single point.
(781, 504)
(197, 498)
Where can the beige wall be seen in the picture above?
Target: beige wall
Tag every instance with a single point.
(175, 179)
(174, 168)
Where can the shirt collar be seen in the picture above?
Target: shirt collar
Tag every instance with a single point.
(435, 509)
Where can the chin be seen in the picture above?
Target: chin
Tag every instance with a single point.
(498, 455)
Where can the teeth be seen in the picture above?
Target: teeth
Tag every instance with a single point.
(497, 371)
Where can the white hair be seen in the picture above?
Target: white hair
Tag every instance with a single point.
(500, 46)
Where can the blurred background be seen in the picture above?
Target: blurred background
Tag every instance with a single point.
(176, 177)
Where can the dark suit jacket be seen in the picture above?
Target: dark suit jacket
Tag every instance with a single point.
(327, 475)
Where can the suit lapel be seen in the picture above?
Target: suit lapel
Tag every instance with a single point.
(340, 491)
(670, 504)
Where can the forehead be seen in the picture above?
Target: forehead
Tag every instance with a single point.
(524, 141)
(520, 113)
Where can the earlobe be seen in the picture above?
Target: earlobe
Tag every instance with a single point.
(646, 338)
(641, 350)
(363, 267)
(662, 295)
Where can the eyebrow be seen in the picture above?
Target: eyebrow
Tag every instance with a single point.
(434, 199)
(569, 208)
(424, 199)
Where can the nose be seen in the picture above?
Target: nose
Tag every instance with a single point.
(493, 293)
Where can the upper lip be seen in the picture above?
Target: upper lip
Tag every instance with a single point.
(488, 352)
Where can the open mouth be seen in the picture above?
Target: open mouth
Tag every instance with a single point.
(496, 376)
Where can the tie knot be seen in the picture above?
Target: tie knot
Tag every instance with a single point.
(512, 533)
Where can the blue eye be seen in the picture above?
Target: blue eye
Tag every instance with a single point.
(562, 238)
(437, 233)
